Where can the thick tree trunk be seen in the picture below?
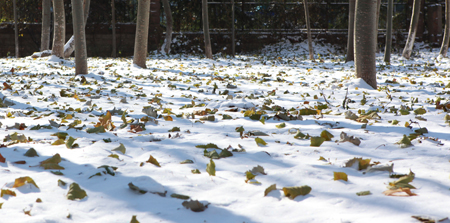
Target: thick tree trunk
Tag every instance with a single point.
(351, 28)
(388, 48)
(208, 49)
(69, 47)
(59, 33)
(16, 30)
(308, 28)
(412, 30)
(365, 41)
(141, 40)
(168, 40)
(80, 37)
(45, 33)
(113, 24)
(446, 38)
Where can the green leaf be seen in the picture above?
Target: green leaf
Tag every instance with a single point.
(196, 171)
(307, 111)
(61, 183)
(153, 161)
(255, 117)
(52, 163)
(136, 188)
(7, 192)
(225, 116)
(209, 145)
(326, 135)
(211, 168)
(364, 193)
(280, 126)
(99, 129)
(249, 175)
(225, 153)
(121, 148)
(70, 145)
(316, 141)
(24, 180)
(260, 141)
(134, 219)
(180, 196)
(421, 131)
(175, 129)
(186, 161)
(263, 120)
(211, 154)
(57, 173)
(300, 135)
(240, 129)
(58, 142)
(420, 111)
(60, 135)
(269, 189)
(31, 153)
(405, 142)
(340, 176)
(109, 169)
(114, 156)
(75, 192)
(293, 192)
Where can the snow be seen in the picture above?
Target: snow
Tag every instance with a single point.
(45, 89)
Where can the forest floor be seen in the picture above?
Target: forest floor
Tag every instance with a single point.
(270, 137)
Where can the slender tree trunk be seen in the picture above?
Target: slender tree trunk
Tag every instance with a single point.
(141, 40)
(16, 30)
(388, 48)
(351, 28)
(169, 27)
(113, 24)
(378, 19)
(45, 32)
(208, 49)
(80, 37)
(69, 47)
(233, 30)
(365, 41)
(308, 28)
(59, 33)
(412, 30)
(445, 40)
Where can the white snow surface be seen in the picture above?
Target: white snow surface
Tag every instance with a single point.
(278, 77)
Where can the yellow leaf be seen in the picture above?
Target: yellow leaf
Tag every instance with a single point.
(153, 161)
(293, 192)
(58, 142)
(23, 180)
(340, 176)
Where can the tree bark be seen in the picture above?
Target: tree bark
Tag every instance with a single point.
(208, 49)
(388, 48)
(113, 24)
(45, 33)
(69, 47)
(308, 28)
(168, 40)
(446, 38)
(365, 41)
(59, 33)
(141, 40)
(80, 37)
(351, 28)
(16, 30)
(412, 30)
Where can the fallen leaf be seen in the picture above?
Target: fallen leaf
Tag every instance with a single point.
(61, 183)
(209, 145)
(258, 170)
(327, 136)
(20, 162)
(99, 129)
(293, 192)
(211, 168)
(31, 153)
(24, 180)
(195, 206)
(121, 148)
(316, 141)
(58, 142)
(180, 196)
(52, 163)
(400, 192)
(70, 145)
(134, 219)
(195, 171)
(7, 192)
(106, 122)
(269, 189)
(352, 139)
(364, 193)
(153, 161)
(2, 159)
(405, 142)
(75, 192)
(280, 126)
(340, 176)
(249, 175)
(260, 141)
(136, 188)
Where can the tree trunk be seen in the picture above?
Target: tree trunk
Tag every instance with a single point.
(308, 28)
(388, 48)
(233, 30)
(80, 37)
(351, 28)
(45, 33)
(378, 19)
(141, 40)
(168, 40)
(59, 33)
(365, 41)
(445, 40)
(69, 47)
(208, 49)
(16, 30)
(113, 24)
(412, 30)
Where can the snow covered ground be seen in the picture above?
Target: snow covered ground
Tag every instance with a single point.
(182, 101)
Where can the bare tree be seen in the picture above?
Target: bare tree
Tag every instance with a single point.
(16, 30)
(308, 28)
(45, 31)
(80, 37)
(141, 40)
(412, 30)
(113, 24)
(59, 33)
(208, 49)
(351, 28)
(445, 40)
(169, 26)
(388, 48)
(365, 41)
(69, 47)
